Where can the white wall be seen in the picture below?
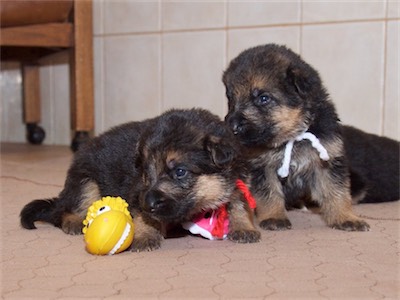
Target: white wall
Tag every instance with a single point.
(154, 55)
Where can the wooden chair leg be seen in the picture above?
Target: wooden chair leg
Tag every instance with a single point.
(81, 74)
(31, 99)
(31, 93)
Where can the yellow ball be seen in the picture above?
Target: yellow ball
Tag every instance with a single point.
(109, 233)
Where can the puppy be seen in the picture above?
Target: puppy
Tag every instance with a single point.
(282, 115)
(374, 163)
(168, 169)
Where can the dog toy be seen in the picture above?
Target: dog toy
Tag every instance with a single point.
(214, 224)
(283, 171)
(108, 227)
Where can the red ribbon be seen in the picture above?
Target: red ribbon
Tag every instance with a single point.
(221, 214)
(246, 193)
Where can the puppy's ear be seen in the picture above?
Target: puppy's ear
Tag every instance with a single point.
(299, 79)
(222, 152)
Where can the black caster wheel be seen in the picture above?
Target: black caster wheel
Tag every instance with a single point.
(35, 134)
(80, 138)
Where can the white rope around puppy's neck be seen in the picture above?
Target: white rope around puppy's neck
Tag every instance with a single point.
(283, 171)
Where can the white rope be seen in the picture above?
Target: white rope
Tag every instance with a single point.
(283, 171)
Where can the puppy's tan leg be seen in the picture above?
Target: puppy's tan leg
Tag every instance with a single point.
(335, 201)
(147, 236)
(241, 221)
(271, 210)
(72, 223)
(272, 214)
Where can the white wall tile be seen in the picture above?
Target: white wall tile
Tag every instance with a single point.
(61, 116)
(393, 9)
(349, 58)
(55, 99)
(392, 87)
(121, 16)
(178, 15)
(241, 39)
(192, 70)
(98, 17)
(12, 126)
(131, 78)
(267, 12)
(325, 11)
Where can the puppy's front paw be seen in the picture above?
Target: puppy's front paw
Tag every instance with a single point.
(275, 224)
(244, 236)
(357, 225)
(146, 243)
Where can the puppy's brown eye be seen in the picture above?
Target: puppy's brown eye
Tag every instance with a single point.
(180, 173)
(263, 99)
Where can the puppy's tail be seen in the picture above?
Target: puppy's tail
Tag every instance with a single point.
(40, 210)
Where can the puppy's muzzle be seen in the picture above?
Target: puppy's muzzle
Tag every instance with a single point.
(154, 202)
(236, 123)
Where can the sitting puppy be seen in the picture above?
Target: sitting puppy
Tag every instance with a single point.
(168, 169)
(282, 115)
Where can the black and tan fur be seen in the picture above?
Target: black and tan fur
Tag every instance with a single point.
(374, 163)
(168, 169)
(273, 96)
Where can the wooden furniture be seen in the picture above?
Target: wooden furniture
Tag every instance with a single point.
(32, 29)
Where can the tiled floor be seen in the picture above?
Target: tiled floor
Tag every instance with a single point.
(309, 261)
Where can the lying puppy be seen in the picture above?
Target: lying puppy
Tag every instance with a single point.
(374, 166)
(168, 169)
(282, 115)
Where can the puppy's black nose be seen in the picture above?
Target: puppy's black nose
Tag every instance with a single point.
(236, 128)
(153, 201)
(235, 122)
(236, 125)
